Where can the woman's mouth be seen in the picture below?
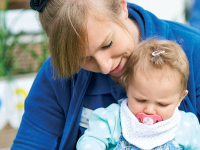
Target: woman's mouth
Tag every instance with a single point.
(117, 69)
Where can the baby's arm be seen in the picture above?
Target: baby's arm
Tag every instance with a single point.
(189, 132)
(104, 129)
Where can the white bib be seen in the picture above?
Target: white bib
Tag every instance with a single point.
(148, 136)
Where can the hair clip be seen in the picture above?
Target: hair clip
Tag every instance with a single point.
(156, 53)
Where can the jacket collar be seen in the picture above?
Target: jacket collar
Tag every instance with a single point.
(150, 25)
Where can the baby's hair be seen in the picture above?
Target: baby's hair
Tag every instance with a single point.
(65, 22)
(153, 57)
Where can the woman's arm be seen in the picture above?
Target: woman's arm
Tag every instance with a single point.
(44, 119)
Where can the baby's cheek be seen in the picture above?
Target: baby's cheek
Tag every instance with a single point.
(166, 115)
(134, 110)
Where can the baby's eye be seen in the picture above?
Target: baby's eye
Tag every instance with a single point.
(107, 46)
(162, 105)
(140, 101)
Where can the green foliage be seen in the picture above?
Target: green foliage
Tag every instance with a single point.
(17, 56)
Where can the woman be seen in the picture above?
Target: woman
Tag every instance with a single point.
(93, 38)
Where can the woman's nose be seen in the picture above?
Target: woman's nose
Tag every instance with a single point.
(104, 63)
(150, 110)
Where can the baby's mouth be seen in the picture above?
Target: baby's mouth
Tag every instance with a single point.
(148, 119)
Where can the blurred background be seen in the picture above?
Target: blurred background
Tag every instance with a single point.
(23, 49)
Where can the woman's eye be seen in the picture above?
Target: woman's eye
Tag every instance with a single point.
(107, 46)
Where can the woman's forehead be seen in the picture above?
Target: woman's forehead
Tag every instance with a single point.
(98, 31)
(95, 23)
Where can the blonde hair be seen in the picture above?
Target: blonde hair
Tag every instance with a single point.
(65, 22)
(142, 59)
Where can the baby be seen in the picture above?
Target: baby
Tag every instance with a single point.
(155, 78)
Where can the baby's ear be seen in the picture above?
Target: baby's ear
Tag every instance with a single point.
(185, 93)
(182, 96)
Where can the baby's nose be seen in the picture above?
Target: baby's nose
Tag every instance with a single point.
(150, 110)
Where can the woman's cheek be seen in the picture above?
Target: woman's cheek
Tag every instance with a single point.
(90, 66)
(87, 66)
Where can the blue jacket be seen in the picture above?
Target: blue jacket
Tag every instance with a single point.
(53, 107)
(194, 19)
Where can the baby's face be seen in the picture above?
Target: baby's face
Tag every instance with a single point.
(153, 96)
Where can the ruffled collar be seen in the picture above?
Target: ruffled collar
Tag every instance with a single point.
(145, 136)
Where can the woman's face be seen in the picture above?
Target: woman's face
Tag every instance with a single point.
(109, 47)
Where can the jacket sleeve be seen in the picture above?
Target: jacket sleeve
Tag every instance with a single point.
(195, 71)
(197, 79)
(191, 47)
(188, 135)
(104, 129)
(44, 119)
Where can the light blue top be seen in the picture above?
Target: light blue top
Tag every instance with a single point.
(105, 129)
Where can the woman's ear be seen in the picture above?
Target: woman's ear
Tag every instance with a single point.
(183, 95)
(123, 4)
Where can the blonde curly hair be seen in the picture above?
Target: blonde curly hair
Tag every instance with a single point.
(172, 61)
